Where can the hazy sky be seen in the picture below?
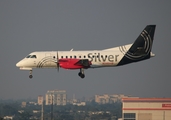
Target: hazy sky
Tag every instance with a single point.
(27, 26)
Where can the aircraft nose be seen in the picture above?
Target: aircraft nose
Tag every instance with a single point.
(19, 64)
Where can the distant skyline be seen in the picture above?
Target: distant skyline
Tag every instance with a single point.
(28, 26)
(73, 96)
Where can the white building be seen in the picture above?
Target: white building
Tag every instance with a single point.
(8, 118)
(40, 100)
(57, 96)
(80, 103)
(146, 109)
(106, 98)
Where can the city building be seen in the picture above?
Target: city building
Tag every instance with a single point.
(8, 118)
(40, 100)
(20, 111)
(146, 109)
(23, 104)
(56, 97)
(79, 103)
(36, 111)
(106, 98)
(32, 103)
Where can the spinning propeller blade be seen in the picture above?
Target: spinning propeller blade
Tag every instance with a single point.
(57, 63)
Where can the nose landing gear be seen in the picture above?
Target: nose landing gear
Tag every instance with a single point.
(30, 76)
(81, 73)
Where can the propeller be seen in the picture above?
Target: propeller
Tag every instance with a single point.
(57, 62)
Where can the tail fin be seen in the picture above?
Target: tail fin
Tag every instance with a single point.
(141, 48)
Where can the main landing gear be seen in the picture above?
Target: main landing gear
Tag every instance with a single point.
(81, 73)
(30, 76)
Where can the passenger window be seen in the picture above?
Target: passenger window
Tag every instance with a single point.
(66, 56)
(70, 56)
(84, 56)
(79, 56)
(61, 56)
(75, 56)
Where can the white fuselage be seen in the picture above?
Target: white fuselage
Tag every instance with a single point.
(99, 58)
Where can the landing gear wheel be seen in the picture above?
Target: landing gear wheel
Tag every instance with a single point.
(30, 76)
(79, 74)
(82, 76)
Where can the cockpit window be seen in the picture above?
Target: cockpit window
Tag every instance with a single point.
(33, 56)
(28, 56)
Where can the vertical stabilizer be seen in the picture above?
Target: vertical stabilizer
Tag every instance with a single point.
(141, 48)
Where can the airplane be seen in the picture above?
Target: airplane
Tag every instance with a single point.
(81, 60)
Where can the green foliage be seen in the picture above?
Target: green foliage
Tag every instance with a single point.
(24, 116)
(8, 109)
(69, 112)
